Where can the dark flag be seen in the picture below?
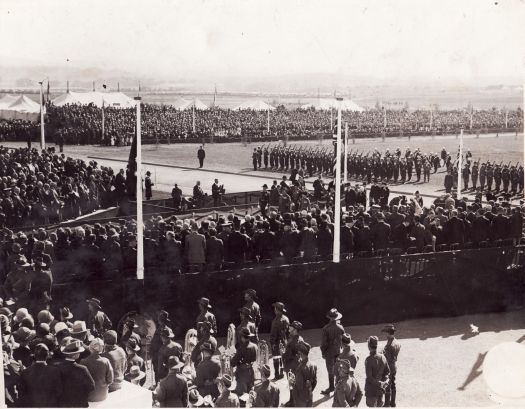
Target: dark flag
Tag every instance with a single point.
(131, 180)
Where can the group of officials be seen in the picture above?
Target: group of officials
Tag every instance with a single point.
(208, 382)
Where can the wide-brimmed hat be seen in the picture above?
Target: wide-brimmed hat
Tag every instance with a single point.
(66, 314)
(227, 381)
(333, 314)
(45, 316)
(280, 306)
(174, 362)
(24, 334)
(206, 324)
(60, 326)
(20, 314)
(297, 325)
(131, 323)
(347, 339)
(95, 302)
(195, 398)
(345, 365)
(6, 311)
(22, 262)
(204, 302)
(135, 374)
(74, 346)
(133, 345)
(373, 341)
(251, 292)
(389, 329)
(79, 328)
(167, 332)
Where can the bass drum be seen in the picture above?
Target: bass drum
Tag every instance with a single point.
(146, 329)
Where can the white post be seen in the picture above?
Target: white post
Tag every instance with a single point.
(337, 204)
(268, 120)
(460, 161)
(346, 154)
(193, 113)
(140, 224)
(42, 132)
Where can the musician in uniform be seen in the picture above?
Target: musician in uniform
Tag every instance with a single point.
(227, 397)
(207, 370)
(347, 390)
(304, 380)
(265, 155)
(490, 176)
(266, 394)
(250, 295)
(246, 322)
(482, 176)
(156, 342)
(377, 375)
(391, 352)
(474, 175)
(243, 359)
(279, 333)
(169, 348)
(466, 176)
(204, 335)
(172, 391)
(291, 354)
(505, 176)
(331, 345)
(205, 314)
(348, 352)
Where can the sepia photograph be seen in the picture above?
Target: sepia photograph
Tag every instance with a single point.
(247, 203)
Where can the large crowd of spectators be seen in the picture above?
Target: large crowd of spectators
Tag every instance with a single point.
(78, 124)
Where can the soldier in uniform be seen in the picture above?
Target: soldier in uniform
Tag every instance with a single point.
(520, 178)
(331, 345)
(204, 336)
(148, 184)
(417, 165)
(497, 177)
(291, 354)
(349, 353)
(505, 176)
(172, 391)
(377, 375)
(403, 170)
(279, 337)
(409, 167)
(482, 176)
(243, 359)
(305, 378)
(167, 350)
(254, 158)
(265, 157)
(514, 179)
(266, 394)
(156, 342)
(426, 171)
(347, 390)
(227, 397)
(207, 370)
(246, 322)
(391, 351)
(474, 175)
(466, 176)
(250, 295)
(264, 199)
(259, 157)
(205, 314)
(490, 176)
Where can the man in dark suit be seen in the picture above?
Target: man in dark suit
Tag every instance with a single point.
(500, 225)
(454, 229)
(237, 244)
(201, 154)
(214, 250)
(41, 385)
(480, 228)
(76, 380)
(380, 233)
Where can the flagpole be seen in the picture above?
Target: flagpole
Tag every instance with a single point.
(67, 85)
(460, 161)
(268, 119)
(337, 204)
(103, 120)
(42, 130)
(346, 154)
(140, 227)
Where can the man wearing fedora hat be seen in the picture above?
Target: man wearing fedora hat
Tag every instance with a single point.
(207, 371)
(279, 334)
(204, 332)
(77, 382)
(377, 374)
(250, 295)
(304, 380)
(243, 359)
(169, 348)
(172, 391)
(66, 316)
(97, 322)
(266, 394)
(135, 375)
(331, 337)
(100, 369)
(227, 397)
(205, 314)
(391, 351)
(347, 391)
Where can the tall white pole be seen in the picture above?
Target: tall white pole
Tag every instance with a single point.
(460, 161)
(103, 121)
(140, 224)
(42, 132)
(384, 117)
(346, 154)
(268, 119)
(337, 205)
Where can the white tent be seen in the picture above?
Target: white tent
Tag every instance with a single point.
(326, 104)
(255, 106)
(7, 100)
(21, 108)
(109, 99)
(25, 104)
(183, 104)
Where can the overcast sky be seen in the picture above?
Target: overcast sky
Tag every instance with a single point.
(464, 39)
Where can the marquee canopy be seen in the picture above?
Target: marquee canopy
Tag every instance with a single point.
(19, 107)
(109, 99)
(255, 106)
(183, 104)
(325, 104)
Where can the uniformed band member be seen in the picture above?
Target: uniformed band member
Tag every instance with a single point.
(207, 371)
(246, 322)
(391, 352)
(156, 342)
(98, 322)
(304, 381)
(204, 335)
(172, 391)
(148, 185)
(205, 314)
(250, 295)
(347, 390)
(377, 375)
(243, 360)
(227, 396)
(279, 337)
(331, 345)
(266, 394)
(168, 349)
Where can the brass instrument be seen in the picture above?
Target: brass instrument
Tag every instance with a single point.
(263, 357)
(190, 340)
(227, 353)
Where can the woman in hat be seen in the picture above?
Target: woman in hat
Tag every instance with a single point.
(227, 397)
(100, 369)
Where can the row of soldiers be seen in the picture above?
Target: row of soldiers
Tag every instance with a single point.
(396, 167)
(507, 178)
(213, 385)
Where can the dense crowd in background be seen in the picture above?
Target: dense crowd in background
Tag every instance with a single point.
(78, 124)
